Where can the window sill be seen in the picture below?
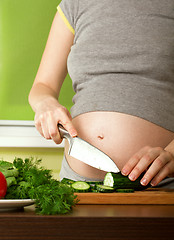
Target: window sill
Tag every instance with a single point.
(23, 134)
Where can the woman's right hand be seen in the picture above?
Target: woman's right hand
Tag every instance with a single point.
(48, 114)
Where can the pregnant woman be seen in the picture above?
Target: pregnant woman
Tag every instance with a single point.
(120, 57)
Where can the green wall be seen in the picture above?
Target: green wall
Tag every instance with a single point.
(24, 28)
(51, 157)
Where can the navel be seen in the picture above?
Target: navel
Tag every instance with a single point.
(100, 137)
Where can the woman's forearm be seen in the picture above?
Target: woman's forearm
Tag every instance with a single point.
(39, 94)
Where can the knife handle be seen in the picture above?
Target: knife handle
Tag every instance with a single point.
(63, 132)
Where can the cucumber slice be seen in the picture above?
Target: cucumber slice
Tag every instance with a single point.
(67, 181)
(108, 180)
(125, 190)
(81, 186)
(94, 190)
(104, 189)
(94, 184)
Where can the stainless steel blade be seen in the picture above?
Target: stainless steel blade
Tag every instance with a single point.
(91, 155)
(88, 154)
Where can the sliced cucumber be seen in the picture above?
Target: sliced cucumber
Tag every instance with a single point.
(109, 180)
(125, 190)
(104, 189)
(94, 190)
(67, 181)
(80, 186)
(93, 185)
(118, 181)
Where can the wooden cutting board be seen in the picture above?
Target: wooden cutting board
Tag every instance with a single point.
(148, 196)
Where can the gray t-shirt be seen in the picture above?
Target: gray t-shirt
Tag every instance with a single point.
(122, 59)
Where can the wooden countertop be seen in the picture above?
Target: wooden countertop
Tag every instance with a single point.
(92, 222)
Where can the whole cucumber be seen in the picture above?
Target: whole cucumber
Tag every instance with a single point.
(119, 181)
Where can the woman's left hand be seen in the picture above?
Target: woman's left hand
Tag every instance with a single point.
(156, 162)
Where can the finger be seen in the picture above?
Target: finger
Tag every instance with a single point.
(144, 163)
(162, 174)
(44, 126)
(134, 160)
(38, 126)
(53, 129)
(157, 166)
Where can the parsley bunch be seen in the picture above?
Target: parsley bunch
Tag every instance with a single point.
(35, 182)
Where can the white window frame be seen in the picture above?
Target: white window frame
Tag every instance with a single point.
(14, 133)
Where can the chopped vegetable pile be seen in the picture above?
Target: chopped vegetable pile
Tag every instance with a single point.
(95, 187)
(113, 182)
(26, 179)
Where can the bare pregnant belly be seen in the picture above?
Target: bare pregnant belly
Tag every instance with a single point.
(118, 135)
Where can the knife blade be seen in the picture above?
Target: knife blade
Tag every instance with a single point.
(87, 153)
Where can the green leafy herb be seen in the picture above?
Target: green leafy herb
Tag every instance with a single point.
(8, 169)
(35, 182)
(53, 198)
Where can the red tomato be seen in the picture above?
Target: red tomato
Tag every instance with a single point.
(3, 185)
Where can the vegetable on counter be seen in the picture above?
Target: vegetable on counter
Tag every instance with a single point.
(3, 185)
(113, 182)
(124, 190)
(119, 181)
(26, 179)
(9, 171)
(104, 189)
(80, 186)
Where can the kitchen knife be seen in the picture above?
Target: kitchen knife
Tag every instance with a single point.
(87, 153)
